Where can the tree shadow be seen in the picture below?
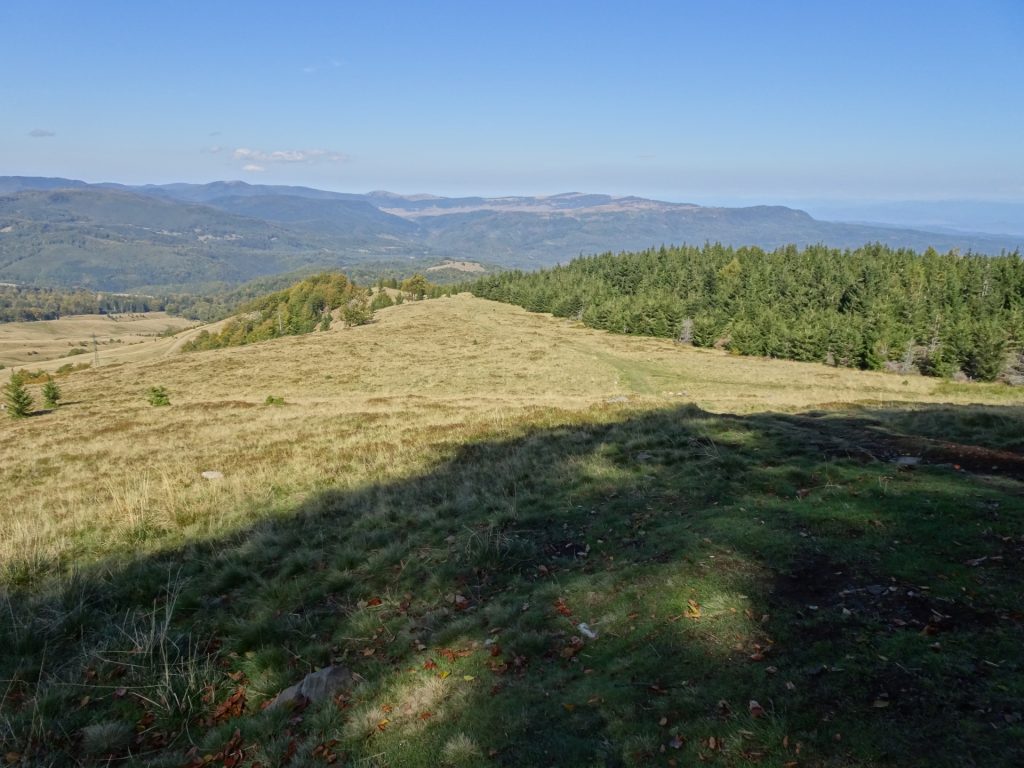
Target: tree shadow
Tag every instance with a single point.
(764, 589)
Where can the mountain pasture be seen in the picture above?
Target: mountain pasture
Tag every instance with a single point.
(71, 337)
(532, 542)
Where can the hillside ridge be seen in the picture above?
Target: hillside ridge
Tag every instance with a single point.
(118, 237)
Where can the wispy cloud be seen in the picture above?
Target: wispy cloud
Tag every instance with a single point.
(214, 150)
(41, 133)
(253, 168)
(290, 156)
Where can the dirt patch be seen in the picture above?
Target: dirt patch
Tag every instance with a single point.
(854, 439)
(823, 588)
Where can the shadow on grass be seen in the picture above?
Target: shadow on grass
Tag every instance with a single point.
(764, 590)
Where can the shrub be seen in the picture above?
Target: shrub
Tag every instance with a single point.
(158, 396)
(357, 311)
(273, 400)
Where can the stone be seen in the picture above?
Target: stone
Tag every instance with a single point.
(212, 474)
(316, 686)
(907, 461)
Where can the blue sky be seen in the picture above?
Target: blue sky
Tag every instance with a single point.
(719, 101)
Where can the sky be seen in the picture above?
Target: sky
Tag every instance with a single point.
(723, 102)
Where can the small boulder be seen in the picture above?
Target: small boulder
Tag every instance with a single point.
(316, 686)
(212, 474)
(907, 461)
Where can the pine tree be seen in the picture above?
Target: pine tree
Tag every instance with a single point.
(51, 393)
(19, 401)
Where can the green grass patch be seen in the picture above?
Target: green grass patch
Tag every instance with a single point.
(761, 590)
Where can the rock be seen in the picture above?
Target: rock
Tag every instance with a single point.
(316, 686)
(907, 461)
(212, 474)
(875, 589)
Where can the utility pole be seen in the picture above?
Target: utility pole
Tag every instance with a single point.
(95, 353)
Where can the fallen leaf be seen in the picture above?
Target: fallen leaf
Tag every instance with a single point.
(431, 664)
(374, 601)
(231, 707)
(676, 742)
(383, 724)
(880, 704)
(756, 710)
(692, 609)
(468, 678)
(568, 707)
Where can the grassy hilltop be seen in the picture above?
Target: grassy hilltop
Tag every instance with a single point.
(446, 494)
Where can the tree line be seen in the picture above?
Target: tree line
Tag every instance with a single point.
(873, 308)
(20, 303)
(296, 310)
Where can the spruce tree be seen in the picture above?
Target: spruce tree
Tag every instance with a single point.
(51, 393)
(19, 401)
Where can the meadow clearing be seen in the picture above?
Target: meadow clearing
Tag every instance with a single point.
(441, 497)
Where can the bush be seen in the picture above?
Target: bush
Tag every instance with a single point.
(357, 311)
(158, 396)
(273, 400)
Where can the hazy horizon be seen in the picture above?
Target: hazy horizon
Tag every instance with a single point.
(685, 102)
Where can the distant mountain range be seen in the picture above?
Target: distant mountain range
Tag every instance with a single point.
(192, 236)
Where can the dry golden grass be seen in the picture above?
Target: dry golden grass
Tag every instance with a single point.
(107, 473)
(26, 344)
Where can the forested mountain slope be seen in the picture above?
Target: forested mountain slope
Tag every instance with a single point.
(59, 232)
(873, 307)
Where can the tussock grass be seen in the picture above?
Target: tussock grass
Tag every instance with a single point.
(447, 493)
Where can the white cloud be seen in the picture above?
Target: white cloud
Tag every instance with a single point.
(41, 133)
(252, 167)
(290, 156)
